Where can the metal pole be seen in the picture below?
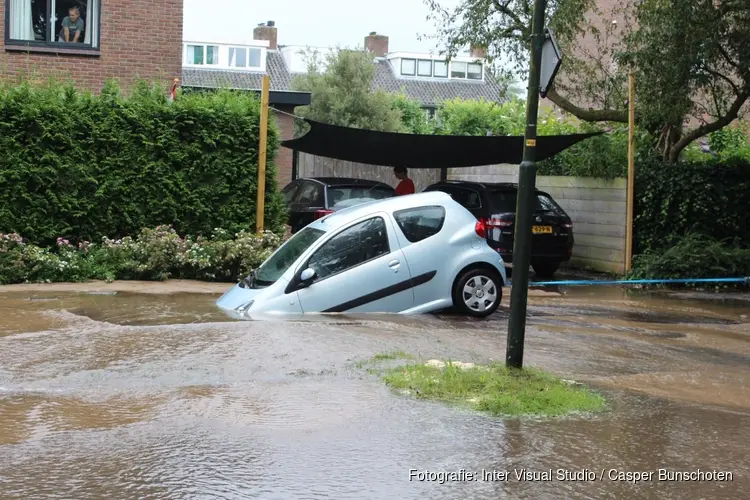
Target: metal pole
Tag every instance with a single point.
(631, 173)
(259, 214)
(525, 200)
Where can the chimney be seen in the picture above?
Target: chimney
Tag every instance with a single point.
(377, 44)
(266, 31)
(478, 52)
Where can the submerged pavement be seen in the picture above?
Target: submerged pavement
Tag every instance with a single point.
(127, 390)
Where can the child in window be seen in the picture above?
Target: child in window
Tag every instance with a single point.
(72, 26)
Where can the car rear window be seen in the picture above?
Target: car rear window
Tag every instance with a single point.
(337, 194)
(420, 223)
(505, 201)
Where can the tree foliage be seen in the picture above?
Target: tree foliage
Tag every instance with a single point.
(80, 166)
(342, 93)
(691, 59)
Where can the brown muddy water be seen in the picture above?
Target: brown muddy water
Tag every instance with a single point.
(112, 394)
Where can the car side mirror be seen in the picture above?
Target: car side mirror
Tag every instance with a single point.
(306, 277)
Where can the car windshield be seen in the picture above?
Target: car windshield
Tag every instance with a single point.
(277, 264)
(337, 194)
(505, 201)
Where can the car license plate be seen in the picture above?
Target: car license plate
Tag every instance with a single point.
(541, 229)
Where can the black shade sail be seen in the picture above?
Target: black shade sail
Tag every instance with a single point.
(422, 151)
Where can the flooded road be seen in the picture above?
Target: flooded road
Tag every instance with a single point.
(113, 394)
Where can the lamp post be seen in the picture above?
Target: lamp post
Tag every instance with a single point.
(525, 199)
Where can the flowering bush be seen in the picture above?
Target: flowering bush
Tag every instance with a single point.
(155, 254)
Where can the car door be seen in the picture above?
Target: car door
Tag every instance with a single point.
(360, 269)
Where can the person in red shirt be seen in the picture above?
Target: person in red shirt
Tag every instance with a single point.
(406, 186)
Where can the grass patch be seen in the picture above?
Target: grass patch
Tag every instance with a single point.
(494, 389)
(385, 356)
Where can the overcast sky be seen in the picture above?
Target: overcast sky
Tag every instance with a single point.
(324, 23)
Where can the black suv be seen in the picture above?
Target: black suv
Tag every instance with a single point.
(310, 198)
(495, 206)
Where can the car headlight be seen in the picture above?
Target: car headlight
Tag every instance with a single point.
(243, 308)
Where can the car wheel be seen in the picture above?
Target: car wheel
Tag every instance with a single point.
(478, 292)
(545, 268)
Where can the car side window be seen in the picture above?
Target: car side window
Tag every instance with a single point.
(420, 223)
(467, 198)
(353, 246)
(307, 194)
(289, 192)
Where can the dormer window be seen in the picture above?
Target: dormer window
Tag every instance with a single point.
(424, 68)
(202, 54)
(458, 70)
(474, 72)
(221, 56)
(244, 57)
(440, 69)
(408, 67)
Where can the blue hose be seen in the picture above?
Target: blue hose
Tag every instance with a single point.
(745, 280)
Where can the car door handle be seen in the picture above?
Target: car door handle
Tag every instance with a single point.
(394, 264)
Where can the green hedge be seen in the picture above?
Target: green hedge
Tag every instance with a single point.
(82, 167)
(674, 200)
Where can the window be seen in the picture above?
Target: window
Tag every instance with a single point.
(458, 70)
(237, 57)
(424, 68)
(418, 224)
(441, 69)
(467, 198)
(254, 55)
(338, 194)
(277, 264)
(289, 192)
(505, 201)
(475, 72)
(310, 194)
(350, 248)
(202, 54)
(408, 67)
(73, 23)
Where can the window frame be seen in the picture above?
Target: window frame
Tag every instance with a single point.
(447, 69)
(322, 245)
(405, 59)
(205, 53)
(414, 209)
(481, 71)
(466, 68)
(424, 61)
(80, 48)
(229, 57)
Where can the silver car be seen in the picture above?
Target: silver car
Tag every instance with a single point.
(409, 254)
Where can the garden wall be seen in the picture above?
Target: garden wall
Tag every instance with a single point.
(597, 208)
(318, 166)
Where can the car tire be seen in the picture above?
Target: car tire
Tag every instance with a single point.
(465, 289)
(545, 268)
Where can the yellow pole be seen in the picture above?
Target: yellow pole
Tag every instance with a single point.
(631, 173)
(262, 154)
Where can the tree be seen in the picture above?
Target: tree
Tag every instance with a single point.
(690, 58)
(341, 87)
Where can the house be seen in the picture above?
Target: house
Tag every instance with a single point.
(241, 64)
(124, 40)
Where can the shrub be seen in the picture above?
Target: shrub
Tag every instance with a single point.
(155, 254)
(673, 200)
(83, 166)
(695, 256)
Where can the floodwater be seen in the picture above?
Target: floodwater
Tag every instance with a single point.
(111, 394)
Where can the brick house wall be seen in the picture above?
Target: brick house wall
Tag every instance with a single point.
(139, 39)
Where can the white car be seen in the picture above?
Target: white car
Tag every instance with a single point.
(409, 254)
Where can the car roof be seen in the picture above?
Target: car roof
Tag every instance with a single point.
(485, 185)
(340, 181)
(396, 203)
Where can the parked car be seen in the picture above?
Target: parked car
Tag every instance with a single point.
(409, 254)
(495, 204)
(311, 198)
